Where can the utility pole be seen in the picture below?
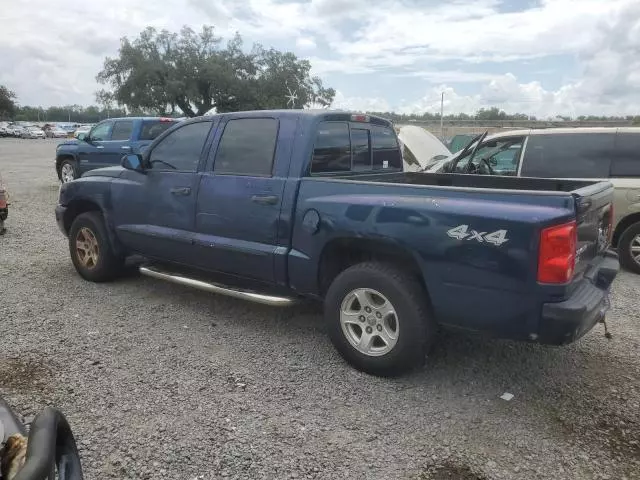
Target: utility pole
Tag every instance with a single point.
(442, 116)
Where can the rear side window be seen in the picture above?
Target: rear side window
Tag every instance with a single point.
(152, 128)
(247, 147)
(626, 159)
(386, 152)
(332, 148)
(571, 155)
(122, 130)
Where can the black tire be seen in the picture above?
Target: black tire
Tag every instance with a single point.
(624, 248)
(108, 265)
(416, 327)
(70, 164)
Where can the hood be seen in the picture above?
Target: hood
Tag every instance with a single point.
(113, 172)
(420, 147)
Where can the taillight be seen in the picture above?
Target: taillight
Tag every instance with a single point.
(557, 254)
(360, 118)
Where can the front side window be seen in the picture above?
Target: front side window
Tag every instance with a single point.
(332, 148)
(626, 160)
(386, 151)
(181, 149)
(570, 155)
(247, 147)
(101, 132)
(122, 130)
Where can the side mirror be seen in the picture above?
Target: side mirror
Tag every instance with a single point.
(493, 162)
(82, 137)
(132, 161)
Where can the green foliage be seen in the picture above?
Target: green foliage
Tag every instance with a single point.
(160, 72)
(7, 103)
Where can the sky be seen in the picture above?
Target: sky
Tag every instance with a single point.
(539, 57)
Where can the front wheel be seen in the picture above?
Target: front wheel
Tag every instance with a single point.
(378, 319)
(91, 252)
(629, 248)
(67, 171)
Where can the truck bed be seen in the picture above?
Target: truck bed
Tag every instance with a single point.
(475, 181)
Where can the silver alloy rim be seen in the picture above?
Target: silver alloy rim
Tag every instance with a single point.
(66, 173)
(369, 322)
(635, 249)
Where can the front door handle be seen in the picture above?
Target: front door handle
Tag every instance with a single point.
(125, 147)
(100, 146)
(181, 191)
(265, 199)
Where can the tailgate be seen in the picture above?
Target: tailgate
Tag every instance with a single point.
(594, 217)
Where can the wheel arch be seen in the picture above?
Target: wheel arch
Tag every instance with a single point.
(83, 205)
(341, 253)
(62, 157)
(622, 225)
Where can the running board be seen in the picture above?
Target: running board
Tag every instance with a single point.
(214, 288)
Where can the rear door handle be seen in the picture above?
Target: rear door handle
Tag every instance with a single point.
(100, 146)
(181, 191)
(265, 199)
(125, 147)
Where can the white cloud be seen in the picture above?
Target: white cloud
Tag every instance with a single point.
(52, 58)
(305, 43)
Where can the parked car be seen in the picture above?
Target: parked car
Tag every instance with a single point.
(611, 154)
(272, 206)
(82, 129)
(4, 131)
(56, 132)
(420, 148)
(32, 132)
(105, 144)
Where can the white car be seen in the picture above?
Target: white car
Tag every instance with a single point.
(33, 132)
(82, 129)
(57, 133)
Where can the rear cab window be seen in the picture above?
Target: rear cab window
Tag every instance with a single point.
(152, 128)
(568, 155)
(345, 147)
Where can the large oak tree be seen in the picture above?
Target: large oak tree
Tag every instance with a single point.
(161, 71)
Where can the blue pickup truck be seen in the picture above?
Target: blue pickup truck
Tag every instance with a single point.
(274, 206)
(105, 144)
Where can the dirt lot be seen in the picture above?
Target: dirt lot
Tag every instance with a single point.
(160, 381)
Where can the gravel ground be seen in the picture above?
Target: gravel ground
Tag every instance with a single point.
(159, 381)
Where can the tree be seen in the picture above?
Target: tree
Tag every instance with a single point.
(7, 103)
(161, 72)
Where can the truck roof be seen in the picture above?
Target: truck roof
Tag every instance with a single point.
(320, 112)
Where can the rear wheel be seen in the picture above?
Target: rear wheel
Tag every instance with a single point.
(629, 248)
(91, 252)
(378, 319)
(67, 171)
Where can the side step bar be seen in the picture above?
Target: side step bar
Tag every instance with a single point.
(214, 288)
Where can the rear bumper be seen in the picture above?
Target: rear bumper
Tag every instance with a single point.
(567, 321)
(60, 211)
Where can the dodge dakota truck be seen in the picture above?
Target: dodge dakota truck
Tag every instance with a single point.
(105, 144)
(274, 206)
